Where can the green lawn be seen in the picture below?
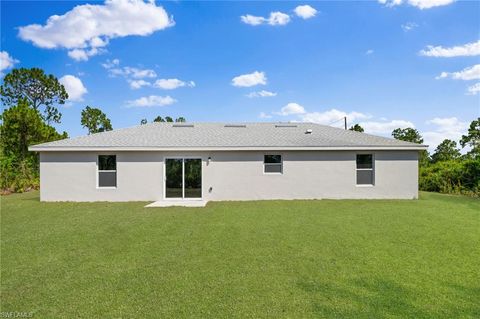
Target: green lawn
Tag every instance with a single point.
(278, 259)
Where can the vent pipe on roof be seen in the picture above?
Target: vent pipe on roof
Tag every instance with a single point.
(285, 125)
(182, 125)
(235, 125)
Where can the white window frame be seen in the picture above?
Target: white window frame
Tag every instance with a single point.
(365, 169)
(107, 171)
(273, 164)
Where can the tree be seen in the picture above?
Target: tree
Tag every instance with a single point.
(445, 151)
(23, 126)
(37, 88)
(169, 119)
(95, 120)
(357, 128)
(472, 138)
(143, 122)
(407, 134)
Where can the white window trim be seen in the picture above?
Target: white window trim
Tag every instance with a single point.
(273, 164)
(365, 169)
(106, 171)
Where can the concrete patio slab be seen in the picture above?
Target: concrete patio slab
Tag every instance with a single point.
(182, 203)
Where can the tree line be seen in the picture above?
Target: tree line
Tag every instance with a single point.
(30, 100)
(167, 119)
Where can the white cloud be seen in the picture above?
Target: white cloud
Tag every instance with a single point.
(305, 11)
(74, 87)
(474, 89)
(152, 100)
(171, 84)
(470, 73)
(448, 124)
(446, 128)
(368, 52)
(385, 127)
(409, 26)
(78, 55)
(135, 77)
(84, 55)
(390, 3)
(137, 73)
(332, 115)
(469, 49)
(261, 93)
(6, 61)
(98, 24)
(427, 4)
(132, 74)
(252, 20)
(110, 64)
(421, 4)
(251, 79)
(292, 108)
(138, 84)
(275, 18)
(278, 18)
(264, 115)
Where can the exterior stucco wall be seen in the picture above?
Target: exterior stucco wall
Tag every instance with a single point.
(310, 175)
(72, 176)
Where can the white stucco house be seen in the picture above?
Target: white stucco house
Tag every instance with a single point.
(199, 162)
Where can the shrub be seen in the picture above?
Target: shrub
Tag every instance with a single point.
(18, 176)
(452, 177)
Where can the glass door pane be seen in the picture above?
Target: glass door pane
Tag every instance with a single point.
(193, 178)
(173, 178)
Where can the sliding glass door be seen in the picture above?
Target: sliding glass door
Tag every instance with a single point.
(193, 177)
(183, 178)
(173, 178)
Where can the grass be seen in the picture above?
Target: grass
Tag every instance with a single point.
(278, 259)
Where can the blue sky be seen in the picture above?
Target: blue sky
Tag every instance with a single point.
(382, 64)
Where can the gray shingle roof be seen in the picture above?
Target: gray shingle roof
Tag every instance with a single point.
(224, 135)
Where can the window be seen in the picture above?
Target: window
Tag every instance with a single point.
(272, 164)
(364, 169)
(107, 171)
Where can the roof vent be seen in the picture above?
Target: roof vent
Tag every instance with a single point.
(235, 125)
(182, 125)
(285, 125)
(308, 131)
